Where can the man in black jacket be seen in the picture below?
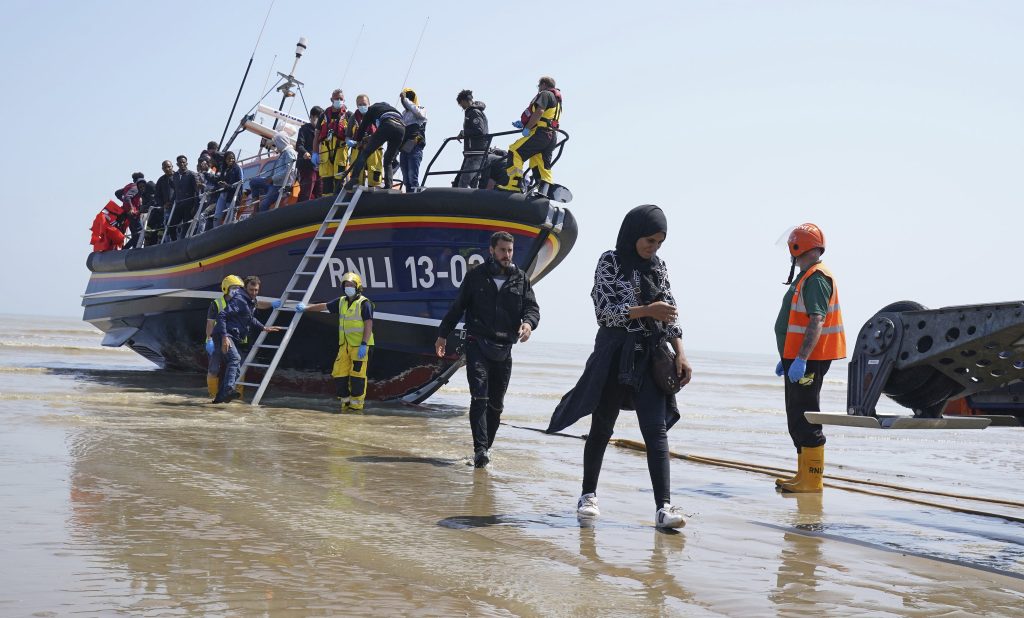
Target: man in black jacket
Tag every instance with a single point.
(500, 308)
(390, 129)
(308, 160)
(474, 149)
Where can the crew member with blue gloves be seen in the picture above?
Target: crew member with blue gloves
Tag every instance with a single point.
(810, 335)
(539, 123)
(355, 340)
(216, 364)
(232, 330)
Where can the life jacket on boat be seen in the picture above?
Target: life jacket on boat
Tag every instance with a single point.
(832, 343)
(334, 123)
(108, 228)
(549, 118)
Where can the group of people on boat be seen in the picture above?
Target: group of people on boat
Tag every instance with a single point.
(336, 150)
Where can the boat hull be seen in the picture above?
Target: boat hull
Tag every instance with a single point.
(411, 250)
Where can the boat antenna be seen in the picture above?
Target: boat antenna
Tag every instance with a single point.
(289, 80)
(244, 77)
(416, 51)
(353, 55)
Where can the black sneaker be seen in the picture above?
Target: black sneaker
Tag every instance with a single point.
(231, 396)
(481, 459)
(218, 399)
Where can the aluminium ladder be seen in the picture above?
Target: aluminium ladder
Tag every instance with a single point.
(294, 288)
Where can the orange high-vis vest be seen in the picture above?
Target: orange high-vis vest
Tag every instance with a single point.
(832, 343)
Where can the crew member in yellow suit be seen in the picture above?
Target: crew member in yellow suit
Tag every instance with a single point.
(539, 123)
(332, 153)
(355, 340)
(374, 170)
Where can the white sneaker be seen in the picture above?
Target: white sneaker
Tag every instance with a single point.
(587, 506)
(669, 516)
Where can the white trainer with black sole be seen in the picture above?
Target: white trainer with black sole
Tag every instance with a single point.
(587, 506)
(669, 516)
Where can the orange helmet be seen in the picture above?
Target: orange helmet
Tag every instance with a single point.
(805, 237)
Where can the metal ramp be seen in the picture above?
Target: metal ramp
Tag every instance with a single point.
(296, 292)
(922, 358)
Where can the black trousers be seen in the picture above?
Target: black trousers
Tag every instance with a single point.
(390, 131)
(488, 381)
(651, 408)
(804, 398)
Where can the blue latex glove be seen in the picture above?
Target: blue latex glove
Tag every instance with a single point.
(526, 132)
(362, 351)
(276, 304)
(518, 124)
(778, 369)
(351, 143)
(299, 308)
(797, 370)
(209, 346)
(316, 159)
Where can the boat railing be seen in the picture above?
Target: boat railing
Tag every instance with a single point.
(481, 171)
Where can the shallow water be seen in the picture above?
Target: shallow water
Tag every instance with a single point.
(123, 491)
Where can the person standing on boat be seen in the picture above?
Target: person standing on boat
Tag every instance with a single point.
(332, 152)
(165, 199)
(187, 189)
(415, 119)
(501, 309)
(131, 203)
(474, 149)
(374, 170)
(227, 185)
(809, 332)
(355, 340)
(310, 186)
(538, 122)
(232, 329)
(390, 130)
(636, 312)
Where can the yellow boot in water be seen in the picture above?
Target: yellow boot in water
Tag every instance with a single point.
(799, 469)
(212, 385)
(812, 466)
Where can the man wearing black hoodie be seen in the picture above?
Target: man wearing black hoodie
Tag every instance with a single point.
(474, 149)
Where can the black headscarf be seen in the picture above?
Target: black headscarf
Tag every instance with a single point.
(638, 223)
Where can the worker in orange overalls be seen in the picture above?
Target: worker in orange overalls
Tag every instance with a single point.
(810, 335)
(108, 228)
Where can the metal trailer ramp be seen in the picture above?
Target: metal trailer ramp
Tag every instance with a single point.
(921, 358)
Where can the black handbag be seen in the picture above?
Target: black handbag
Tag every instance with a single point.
(494, 351)
(663, 369)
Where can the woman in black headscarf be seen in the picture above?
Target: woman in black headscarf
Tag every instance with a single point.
(636, 312)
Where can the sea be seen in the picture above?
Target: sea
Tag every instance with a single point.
(123, 491)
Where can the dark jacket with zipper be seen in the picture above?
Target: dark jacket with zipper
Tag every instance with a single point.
(474, 127)
(237, 317)
(491, 313)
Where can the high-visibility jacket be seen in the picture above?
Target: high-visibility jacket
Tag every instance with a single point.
(549, 117)
(832, 343)
(350, 321)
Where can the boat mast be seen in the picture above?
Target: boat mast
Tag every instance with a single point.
(289, 80)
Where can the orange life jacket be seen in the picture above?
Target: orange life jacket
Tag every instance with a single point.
(832, 343)
(548, 118)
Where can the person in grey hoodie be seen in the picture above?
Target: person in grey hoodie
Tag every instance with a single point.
(474, 131)
(282, 172)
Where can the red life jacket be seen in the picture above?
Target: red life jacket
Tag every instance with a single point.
(333, 121)
(106, 235)
(550, 122)
(353, 127)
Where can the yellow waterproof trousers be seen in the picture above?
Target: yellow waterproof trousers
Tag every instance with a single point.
(334, 158)
(373, 171)
(350, 376)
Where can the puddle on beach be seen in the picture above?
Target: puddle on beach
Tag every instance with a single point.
(124, 491)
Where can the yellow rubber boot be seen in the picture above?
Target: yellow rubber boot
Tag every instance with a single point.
(212, 385)
(813, 469)
(799, 469)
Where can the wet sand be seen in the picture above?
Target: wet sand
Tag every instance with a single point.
(124, 492)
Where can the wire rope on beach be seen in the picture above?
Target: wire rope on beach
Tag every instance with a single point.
(844, 483)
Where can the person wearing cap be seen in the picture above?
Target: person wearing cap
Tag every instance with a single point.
(355, 340)
(310, 187)
(415, 119)
(809, 332)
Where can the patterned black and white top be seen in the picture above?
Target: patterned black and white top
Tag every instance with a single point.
(613, 295)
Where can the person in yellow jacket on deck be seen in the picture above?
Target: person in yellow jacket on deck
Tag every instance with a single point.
(355, 340)
(810, 335)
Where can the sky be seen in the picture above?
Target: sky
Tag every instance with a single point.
(894, 125)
